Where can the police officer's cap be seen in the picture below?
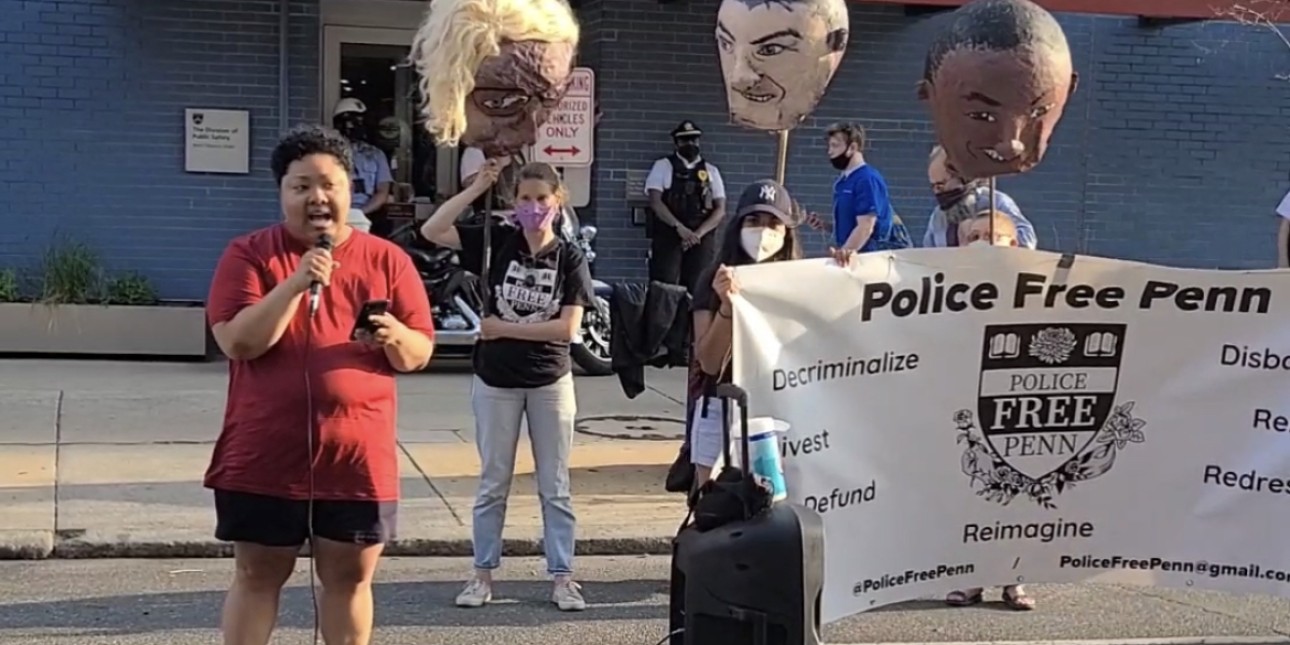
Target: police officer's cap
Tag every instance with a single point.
(686, 129)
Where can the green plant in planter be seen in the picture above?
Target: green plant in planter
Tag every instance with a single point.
(71, 275)
(9, 291)
(131, 289)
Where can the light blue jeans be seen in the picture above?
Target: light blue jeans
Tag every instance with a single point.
(549, 411)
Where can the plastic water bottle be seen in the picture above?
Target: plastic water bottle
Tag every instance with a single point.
(763, 450)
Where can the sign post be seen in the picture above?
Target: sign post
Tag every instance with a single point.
(568, 136)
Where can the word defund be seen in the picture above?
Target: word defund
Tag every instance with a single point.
(934, 295)
(838, 498)
(1041, 531)
(847, 368)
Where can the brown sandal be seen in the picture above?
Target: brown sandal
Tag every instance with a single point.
(1017, 601)
(962, 599)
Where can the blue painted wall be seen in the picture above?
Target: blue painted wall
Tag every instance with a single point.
(91, 127)
(1175, 150)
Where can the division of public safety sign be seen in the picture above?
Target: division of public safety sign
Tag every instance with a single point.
(568, 136)
(978, 417)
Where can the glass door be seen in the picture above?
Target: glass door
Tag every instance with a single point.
(370, 64)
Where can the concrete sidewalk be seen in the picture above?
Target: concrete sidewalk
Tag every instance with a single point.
(105, 459)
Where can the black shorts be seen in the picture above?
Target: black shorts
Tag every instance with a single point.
(274, 521)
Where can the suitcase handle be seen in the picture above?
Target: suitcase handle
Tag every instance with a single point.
(731, 392)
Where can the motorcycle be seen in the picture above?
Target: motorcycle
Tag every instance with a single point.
(591, 351)
(457, 295)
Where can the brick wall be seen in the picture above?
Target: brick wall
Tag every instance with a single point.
(92, 102)
(1175, 149)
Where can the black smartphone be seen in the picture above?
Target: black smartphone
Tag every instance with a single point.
(370, 308)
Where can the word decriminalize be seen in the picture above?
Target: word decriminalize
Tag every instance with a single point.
(934, 295)
(848, 367)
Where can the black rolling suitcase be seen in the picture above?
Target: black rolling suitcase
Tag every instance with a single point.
(745, 571)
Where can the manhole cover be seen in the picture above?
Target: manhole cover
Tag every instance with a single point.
(640, 428)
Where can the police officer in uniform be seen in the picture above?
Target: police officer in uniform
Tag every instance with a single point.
(371, 180)
(688, 200)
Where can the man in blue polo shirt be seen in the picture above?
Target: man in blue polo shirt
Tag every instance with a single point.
(863, 218)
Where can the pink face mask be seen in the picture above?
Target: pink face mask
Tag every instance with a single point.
(532, 216)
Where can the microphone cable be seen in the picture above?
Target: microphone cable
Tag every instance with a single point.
(309, 509)
(325, 243)
(669, 636)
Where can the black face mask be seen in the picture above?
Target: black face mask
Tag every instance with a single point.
(689, 151)
(352, 129)
(949, 198)
(841, 161)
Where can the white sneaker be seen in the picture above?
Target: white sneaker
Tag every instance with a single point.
(567, 595)
(478, 592)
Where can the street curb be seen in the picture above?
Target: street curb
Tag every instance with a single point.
(439, 548)
(26, 544)
(1184, 640)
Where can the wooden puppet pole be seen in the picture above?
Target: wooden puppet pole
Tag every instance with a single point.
(781, 159)
(991, 210)
(488, 251)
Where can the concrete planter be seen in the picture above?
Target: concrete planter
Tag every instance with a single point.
(177, 330)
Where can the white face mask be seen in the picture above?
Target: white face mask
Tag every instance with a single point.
(760, 242)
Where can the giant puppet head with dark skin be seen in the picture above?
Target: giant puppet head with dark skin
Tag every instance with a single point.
(997, 79)
(493, 70)
(778, 57)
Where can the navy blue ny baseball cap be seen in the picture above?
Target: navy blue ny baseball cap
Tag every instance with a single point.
(768, 196)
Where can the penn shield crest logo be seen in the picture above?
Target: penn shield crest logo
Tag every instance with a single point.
(1046, 414)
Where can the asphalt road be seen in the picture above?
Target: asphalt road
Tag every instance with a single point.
(167, 602)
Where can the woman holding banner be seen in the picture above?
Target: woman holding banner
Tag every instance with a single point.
(762, 230)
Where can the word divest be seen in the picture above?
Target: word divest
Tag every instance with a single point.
(988, 416)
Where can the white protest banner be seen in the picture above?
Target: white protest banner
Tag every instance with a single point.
(979, 417)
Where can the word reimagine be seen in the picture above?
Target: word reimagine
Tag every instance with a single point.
(934, 295)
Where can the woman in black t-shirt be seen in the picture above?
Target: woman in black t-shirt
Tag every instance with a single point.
(762, 230)
(538, 288)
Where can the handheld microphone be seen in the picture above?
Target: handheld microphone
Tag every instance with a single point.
(315, 288)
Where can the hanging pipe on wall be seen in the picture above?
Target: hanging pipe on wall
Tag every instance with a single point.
(284, 12)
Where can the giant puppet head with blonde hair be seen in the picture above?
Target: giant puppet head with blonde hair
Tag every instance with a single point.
(778, 57)
(493, 70)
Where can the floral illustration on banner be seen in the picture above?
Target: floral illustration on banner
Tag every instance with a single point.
(1052, 346)
(1046, 416)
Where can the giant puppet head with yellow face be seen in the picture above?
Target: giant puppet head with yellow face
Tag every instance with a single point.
(778, 57)
(493, 70)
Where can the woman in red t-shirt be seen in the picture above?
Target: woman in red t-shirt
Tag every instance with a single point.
(308, 452)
